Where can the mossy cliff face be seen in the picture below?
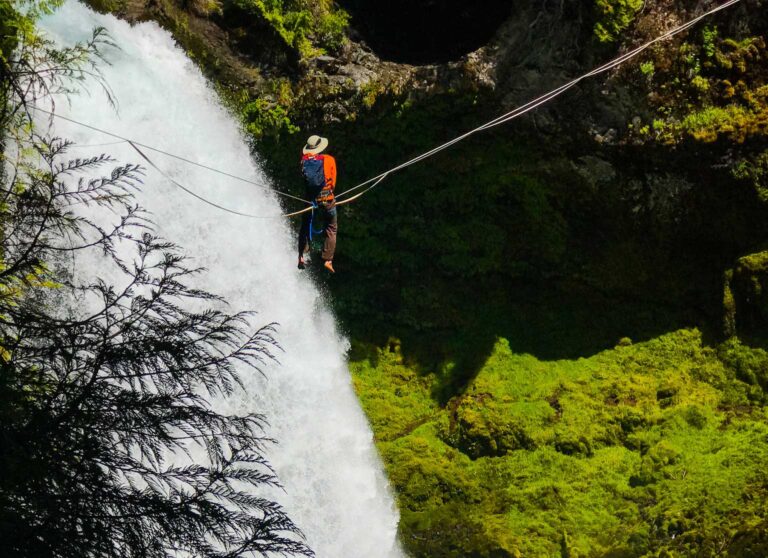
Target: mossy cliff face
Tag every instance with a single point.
(746, 296)
(558, 326)
(655, 449)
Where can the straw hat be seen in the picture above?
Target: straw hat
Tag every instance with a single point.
(315, 145)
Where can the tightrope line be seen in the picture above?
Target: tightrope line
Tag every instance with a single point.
(135, 143)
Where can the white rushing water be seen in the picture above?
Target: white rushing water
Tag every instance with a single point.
(335, 490)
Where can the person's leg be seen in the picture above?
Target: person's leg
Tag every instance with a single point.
(329, 245)
(303, 237)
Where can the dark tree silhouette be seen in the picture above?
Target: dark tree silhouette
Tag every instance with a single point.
(108, 443)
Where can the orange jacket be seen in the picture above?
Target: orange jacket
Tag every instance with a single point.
(329, 172)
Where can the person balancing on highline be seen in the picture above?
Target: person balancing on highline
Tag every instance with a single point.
(319, 171)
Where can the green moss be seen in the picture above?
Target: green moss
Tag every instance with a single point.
(265, 117)
(397, 397)
(643, 449)
(710, 88)
(613, 17)
(648, 68)
(747, 285)
(708, 37)
(734, 121)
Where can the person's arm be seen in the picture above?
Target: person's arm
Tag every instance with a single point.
(329, 167)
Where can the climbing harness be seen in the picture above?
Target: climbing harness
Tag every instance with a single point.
(371, 183)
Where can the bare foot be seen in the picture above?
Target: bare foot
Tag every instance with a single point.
(329, 266)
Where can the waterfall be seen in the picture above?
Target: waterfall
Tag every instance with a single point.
(335, 490)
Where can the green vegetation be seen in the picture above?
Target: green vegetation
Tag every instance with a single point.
(309, 27)
(711, 90)
(650, 449)
(264, 117)
(613, 17)
(9, 21)
(312, 27)
(18, 27)
(710, 87)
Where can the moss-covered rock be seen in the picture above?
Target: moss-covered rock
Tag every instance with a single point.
(643, 449)
(480, 428)
(746, 294)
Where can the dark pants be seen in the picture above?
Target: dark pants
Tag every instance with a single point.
(327, 216)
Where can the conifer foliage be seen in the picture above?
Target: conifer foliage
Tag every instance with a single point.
(108, 443)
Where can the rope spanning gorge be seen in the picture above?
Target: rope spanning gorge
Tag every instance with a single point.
(136, 144)
(371, 183)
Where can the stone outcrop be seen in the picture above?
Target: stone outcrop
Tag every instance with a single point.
(746, 295)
